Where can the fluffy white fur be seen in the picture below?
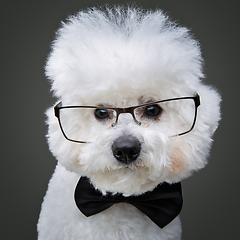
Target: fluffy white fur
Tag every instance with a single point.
(122, 57)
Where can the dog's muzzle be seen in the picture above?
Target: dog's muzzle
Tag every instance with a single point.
(126, 149)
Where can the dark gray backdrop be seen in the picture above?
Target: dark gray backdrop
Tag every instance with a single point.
(211, 207)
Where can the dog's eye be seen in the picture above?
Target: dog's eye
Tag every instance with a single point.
(101, 114)
(153, 111)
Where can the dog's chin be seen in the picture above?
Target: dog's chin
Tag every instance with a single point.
(133, 179)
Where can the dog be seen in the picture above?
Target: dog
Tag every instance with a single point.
(132, 120)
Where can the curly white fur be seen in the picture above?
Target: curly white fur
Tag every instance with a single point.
(120, 57)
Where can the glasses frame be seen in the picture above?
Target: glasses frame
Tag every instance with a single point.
(196, 99)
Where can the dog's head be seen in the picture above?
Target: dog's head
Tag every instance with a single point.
(129, 88)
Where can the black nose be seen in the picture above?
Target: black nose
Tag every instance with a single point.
(126, 149)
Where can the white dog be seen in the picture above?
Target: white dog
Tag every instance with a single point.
(133, 119)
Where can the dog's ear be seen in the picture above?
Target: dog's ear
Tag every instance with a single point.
(209, 110)
(190, 152)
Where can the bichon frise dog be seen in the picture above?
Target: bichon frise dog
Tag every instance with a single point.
(133, 119)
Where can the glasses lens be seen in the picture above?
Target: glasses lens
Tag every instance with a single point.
(81, 123)
(173, 117)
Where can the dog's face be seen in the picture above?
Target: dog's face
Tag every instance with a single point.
(129, 157)
(133, 136)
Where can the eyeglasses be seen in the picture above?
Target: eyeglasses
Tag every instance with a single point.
(174, 117)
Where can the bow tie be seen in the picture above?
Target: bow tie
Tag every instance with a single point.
(161, 205)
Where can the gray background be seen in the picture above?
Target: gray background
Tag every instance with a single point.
(211, 207)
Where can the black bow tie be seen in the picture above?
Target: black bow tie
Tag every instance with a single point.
(161, 205)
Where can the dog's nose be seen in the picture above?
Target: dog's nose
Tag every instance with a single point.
(126, 149)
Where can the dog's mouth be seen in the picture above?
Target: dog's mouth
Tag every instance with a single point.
(139, 163)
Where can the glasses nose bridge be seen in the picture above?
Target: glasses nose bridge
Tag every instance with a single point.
(126, 110)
